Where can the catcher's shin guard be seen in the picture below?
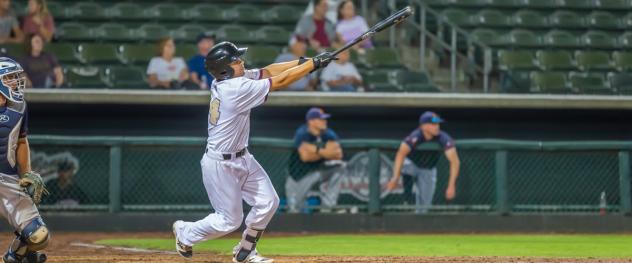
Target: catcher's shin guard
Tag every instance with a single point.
(25, 246)
(248, 244)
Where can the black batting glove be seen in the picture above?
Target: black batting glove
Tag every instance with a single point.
(322, 60)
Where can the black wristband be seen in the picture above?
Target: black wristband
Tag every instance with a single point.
(302, 60)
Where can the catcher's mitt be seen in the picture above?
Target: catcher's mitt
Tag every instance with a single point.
(33, 185)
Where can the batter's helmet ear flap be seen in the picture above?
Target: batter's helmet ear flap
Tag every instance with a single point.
(219, 59)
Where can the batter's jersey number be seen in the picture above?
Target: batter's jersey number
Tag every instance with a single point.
(213, 116)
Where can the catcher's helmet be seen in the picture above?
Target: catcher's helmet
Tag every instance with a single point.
(220, 57)
(12, 79)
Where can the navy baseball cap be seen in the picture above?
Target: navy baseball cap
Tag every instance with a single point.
(316, 113)
(429, 117)
(205, 35)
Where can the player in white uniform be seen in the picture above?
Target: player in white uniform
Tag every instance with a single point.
(229, 172)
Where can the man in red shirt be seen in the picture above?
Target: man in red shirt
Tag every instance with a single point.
(320, 32)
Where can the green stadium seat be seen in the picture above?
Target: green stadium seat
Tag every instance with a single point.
(19, 8)
(621, 82)
(626, 21)
(166, 11)
(260, 56)
(486, 36)
(273, 35)
(625, 40)
(579, 4)
(589, 83)
(283, 14)
(125, 77)
(613, 4)
(516, 81)
(414, 77)
(234, 33)
(429, 88)
(244, 13)
(554, 60)
(507, 3)
(206, 13)
(71, 31)
(126, 11)
(561, 39)
(382, 58)
(84, 77)
(188, 32)
(98, 53)
(152, 32)
(66, 53)
(113, 32)
(598, 39)
(622, 60)
(87, 11)
(530, 19)
(138, 54)
(186, 51)
(544, 4)
(470, 3)
(492, 18)
(457, 16)
(566, 19)
(12, 50)
(516, 60)
(603, 20)
(382, 81)
(523, 38)
(58, 10)
(593, 60)
(549, 83)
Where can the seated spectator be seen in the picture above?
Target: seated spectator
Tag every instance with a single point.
(331, 10)
(167, 71)
(341, 75)
(350, 25)
(63, 190)
(197, 71)
(297, 49)
(9, 24)
(320, 31)
(41, 68)
(317, 160)
(39, 20)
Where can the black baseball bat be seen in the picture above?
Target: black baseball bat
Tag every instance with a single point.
(394, 19)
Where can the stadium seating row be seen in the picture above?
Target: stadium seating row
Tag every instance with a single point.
(535, 4)
(567, 83)
(563, 19)
(522, 38)
(565, 60)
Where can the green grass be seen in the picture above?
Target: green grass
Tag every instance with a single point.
(571, 246)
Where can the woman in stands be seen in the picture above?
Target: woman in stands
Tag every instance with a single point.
(351, 25)
(41, 68)
(167, 71)
(39, 20)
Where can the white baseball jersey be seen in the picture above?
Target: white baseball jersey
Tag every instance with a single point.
(229, 113)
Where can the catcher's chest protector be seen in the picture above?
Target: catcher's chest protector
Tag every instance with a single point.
(11, 122)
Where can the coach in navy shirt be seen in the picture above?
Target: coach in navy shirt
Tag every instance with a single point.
(197, 71)
(423, 169)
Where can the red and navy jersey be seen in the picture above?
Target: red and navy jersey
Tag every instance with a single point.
(427, 159)
(13, 126)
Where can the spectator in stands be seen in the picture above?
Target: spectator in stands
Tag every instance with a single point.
(63, 190)
(341, 75)
(10, 31)
(317, 160)
(197, 71)
(422, 169)
(166, 71)
(39, 20)
(320, 31)
(351, 25)
(297, 49)
(41, 68)
(331, 10)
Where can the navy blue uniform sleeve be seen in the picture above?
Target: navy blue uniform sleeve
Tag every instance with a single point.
(413, 138)
(330, 135)
(24, 129)
(300, 136)
(446, 141)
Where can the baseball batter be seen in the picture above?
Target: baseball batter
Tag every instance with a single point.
(229, 172)
(20, 188)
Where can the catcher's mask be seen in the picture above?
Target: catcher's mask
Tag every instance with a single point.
(220, 57)
(12, 80)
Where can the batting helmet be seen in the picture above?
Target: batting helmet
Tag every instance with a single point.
(220, 57)
(12, 79)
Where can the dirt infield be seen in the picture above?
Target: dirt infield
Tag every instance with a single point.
(77, 247)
